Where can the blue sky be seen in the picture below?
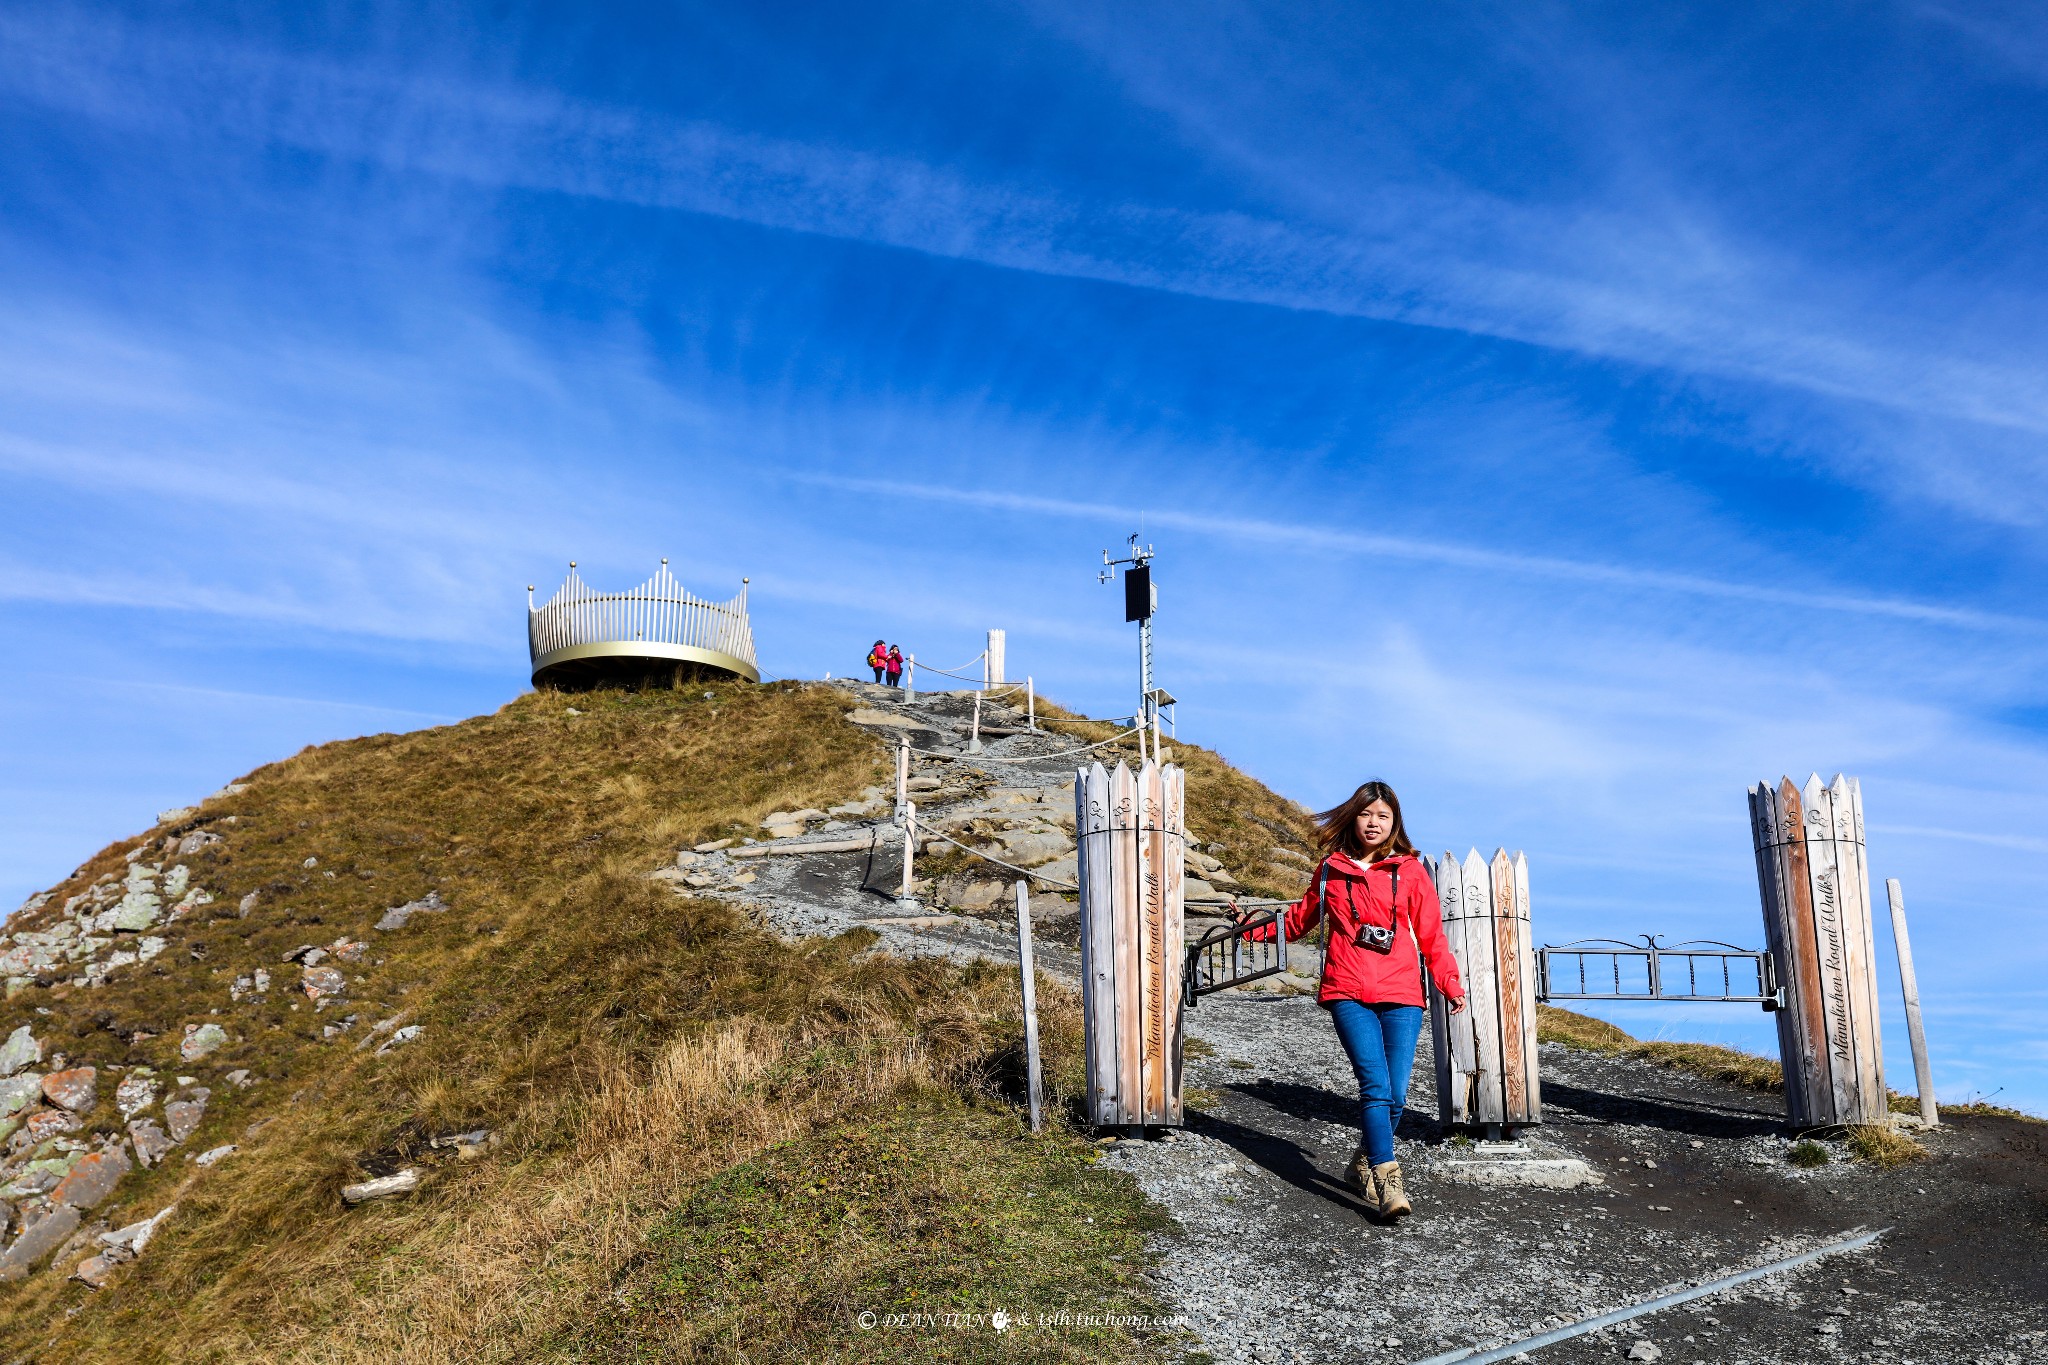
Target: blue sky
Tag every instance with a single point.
(1570, 413)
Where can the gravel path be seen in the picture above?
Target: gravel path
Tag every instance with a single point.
(1275, 1261)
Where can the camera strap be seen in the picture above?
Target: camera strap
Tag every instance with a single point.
(1323, 905)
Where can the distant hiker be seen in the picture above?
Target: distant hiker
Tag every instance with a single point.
(895, 666)
(878, 659)
(1381, 905)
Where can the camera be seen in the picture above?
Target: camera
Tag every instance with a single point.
(1374, 938)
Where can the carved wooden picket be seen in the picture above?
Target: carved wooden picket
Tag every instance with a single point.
(1814, 878)
(1486, 1065)
(1132, 831)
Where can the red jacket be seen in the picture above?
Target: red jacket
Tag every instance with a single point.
(895, 662)
(1354, 973)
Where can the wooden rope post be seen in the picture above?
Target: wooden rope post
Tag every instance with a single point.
(909, 849)
(974, 739)
(1030, 704)
(909, 678)
(1923, 1070)
(902, 774)
(1029, 975)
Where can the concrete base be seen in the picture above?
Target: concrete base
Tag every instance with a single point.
(1513, 1163)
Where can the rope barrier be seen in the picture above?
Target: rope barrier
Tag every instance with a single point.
(1024, 871)
(1027, 758)
(963, 677)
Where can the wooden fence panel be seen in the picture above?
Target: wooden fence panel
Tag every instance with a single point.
(1489, 1071)
(1526, 950)
(1132, 831)
(1098, 939)
(1813, 875)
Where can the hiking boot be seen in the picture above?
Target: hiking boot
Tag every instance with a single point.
(1393, 1197)
(1359, 1176)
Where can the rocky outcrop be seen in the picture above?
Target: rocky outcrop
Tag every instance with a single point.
(396, 917)
(38, 1240)
(201, 1040)
(384, 1187)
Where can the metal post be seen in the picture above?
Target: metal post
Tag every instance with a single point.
(1145, 705)
(974, 739)
(909, 678)
(903, 897)
(1030, 1001)
(1923, 1071)
(1030, 703)
(902, 775)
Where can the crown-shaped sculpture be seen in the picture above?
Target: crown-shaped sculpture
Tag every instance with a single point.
(653, 633)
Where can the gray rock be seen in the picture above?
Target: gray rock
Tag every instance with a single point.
(713, 846)
(93, 1178)
(150, 1142)
(175, 814)
(21, 1049)
(231, 789)
(38, 1240)
(197, 842)
(19, 1092)
(76, 1089)
(182, 1117)
(397, 915)
(239, 1078)
(95, 1271)
(43, 1125)
(1030, 847)
(319, 982)
(201, 1039)
(212, 1155)
(149, 948)
(137, 911)
(401, 1037)
(175, 882)
(246, 904)
(405, 1182)
(1645, 1350)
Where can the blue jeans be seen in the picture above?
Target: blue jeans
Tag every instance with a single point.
(1380, 1040)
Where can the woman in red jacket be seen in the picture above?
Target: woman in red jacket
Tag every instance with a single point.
(1383, 911)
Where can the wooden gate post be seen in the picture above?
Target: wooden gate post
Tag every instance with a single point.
(1486, 1064)
(1814, 880)
(1131, 827)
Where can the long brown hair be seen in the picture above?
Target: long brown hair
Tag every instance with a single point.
(1337, 828)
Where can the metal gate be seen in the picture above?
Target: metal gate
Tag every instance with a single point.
(1700, 969)
(1226, 957)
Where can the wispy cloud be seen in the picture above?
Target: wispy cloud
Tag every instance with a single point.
(1446, 553)
(1634, 288)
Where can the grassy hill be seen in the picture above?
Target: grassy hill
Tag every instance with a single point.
(680, 1136)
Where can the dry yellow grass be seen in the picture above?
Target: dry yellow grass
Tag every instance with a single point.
(625, 1043)
(1723, 1064)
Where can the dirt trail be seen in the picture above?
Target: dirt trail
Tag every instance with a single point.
(1275, 1261)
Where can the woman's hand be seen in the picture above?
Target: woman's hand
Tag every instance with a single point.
(1458, 1005)
(1237, 914)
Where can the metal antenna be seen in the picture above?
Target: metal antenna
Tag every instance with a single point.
(1141, 599)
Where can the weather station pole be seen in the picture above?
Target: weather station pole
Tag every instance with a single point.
(1141, 600)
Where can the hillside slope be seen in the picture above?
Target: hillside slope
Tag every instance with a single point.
(587, 1068)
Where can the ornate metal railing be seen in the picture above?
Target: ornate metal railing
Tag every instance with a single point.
(1702, 969)
(657, 621)
(1228, 956)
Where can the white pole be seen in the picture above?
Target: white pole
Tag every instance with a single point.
(1155, 734)
(909, 847)
(1923, 1071)
(1031, 702)
(909, 678)
(1029, 975)
(974, 740)
(902, 775)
